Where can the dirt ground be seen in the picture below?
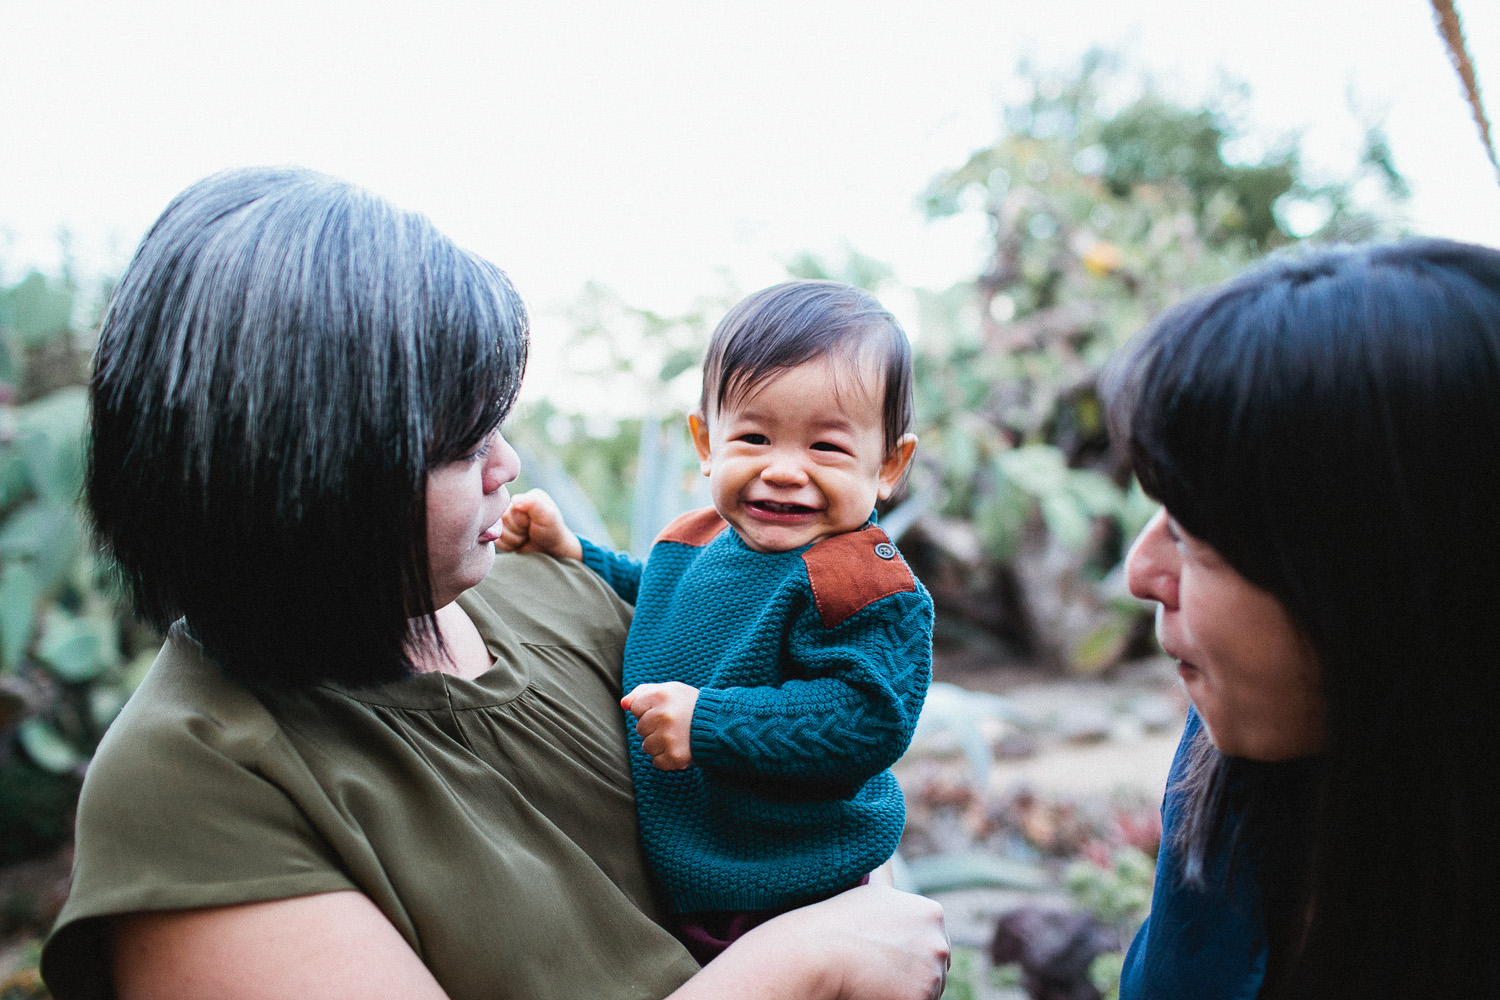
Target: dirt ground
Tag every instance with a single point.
(1017, 776)
(1092, 736)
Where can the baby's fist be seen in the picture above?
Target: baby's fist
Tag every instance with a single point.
(532, 523)
(664, 719)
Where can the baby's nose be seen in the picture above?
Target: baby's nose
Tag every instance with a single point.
(783, 469)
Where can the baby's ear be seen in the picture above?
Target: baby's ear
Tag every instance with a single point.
(895, 465)
(698, 427)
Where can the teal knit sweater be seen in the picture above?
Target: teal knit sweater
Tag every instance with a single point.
(812, 666)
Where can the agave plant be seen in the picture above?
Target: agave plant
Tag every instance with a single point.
(68, 655)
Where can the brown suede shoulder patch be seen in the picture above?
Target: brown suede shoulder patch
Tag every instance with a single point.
(696, 527)
(850, 572)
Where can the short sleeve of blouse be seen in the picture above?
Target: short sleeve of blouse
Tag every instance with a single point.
(176, 812)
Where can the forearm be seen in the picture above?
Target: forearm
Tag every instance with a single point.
(620, 571)
(844, 708)
(870, 943)
(763, 966)
(828, 730)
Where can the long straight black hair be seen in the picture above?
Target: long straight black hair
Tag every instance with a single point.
(285, 359)
(1331, 425)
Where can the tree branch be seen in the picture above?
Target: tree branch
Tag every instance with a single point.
(1452, 32)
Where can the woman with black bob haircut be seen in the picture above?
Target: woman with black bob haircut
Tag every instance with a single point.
(267, 407)
(1324, 436)
(372, 760)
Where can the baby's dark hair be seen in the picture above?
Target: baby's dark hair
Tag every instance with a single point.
(790, 324)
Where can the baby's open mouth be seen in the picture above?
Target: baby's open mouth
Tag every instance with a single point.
(772, 507)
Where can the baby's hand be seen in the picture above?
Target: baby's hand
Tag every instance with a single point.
(664, 718)
(532, 523)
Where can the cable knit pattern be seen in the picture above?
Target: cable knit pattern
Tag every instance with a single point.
(797, 722)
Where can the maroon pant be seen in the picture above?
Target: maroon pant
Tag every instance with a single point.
(707, 933)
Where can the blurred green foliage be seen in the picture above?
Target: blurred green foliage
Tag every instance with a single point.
(1106, 201)
(619, 482)
(1118, 894)
(971, 977)
(1102, 211)
(68, 659)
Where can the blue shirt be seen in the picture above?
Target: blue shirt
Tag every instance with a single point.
(1204, 943)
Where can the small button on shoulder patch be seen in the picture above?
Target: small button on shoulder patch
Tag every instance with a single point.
(843, 579)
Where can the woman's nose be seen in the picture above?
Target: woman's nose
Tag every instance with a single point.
(502, 466)
(1153, 563)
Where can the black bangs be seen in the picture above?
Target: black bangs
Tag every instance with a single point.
(473, 373)
(1174, 398)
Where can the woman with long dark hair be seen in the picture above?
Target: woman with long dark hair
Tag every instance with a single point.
(372, 759)
(1324, 436)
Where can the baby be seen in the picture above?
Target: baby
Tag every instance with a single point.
(781, 647)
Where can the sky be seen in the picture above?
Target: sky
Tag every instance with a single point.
(670, 148)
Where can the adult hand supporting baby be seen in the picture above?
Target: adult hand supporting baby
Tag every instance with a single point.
(533, 523)
(664, 719)
(870, 943)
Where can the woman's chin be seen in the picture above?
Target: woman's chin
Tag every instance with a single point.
(484, 560)
(476, 566)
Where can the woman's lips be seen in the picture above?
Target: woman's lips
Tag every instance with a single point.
(493, 531)
(1184, 667)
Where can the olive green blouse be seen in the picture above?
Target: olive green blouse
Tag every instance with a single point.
(491, 820)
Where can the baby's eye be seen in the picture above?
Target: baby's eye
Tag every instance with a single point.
(754, 439)
(827, 446)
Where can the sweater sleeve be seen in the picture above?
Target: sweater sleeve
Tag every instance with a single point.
(617, 569)
(846, 714)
